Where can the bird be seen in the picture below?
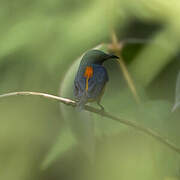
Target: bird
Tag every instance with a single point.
(91, 78)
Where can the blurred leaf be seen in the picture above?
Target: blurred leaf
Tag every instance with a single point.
(79, 123)
(64, 142)
(155, 56)
(177, 94)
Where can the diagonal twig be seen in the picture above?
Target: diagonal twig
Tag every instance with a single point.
(72, 103)
(116, 47)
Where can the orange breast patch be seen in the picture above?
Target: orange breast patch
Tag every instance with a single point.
(88, 74)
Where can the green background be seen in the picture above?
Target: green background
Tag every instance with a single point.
(40, 42)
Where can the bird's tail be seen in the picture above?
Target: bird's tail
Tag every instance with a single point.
(81, 103)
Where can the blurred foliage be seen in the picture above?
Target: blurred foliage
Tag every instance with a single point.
(39, 45)
(177, 95)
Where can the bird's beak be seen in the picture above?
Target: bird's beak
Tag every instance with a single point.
(112, 56)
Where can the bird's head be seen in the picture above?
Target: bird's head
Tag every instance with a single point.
(96, 57)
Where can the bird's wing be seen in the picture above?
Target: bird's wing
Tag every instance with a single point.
(79, 86)
(79, 91)
(76, 88)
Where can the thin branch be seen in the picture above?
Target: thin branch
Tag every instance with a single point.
(72, 103)
(116, 47)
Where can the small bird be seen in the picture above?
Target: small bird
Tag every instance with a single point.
(91, 78)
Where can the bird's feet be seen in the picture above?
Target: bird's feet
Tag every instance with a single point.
(102, 107)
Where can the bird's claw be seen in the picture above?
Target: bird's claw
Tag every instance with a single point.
(102, 108)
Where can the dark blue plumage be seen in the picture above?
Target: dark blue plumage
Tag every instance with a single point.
(96, 81)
